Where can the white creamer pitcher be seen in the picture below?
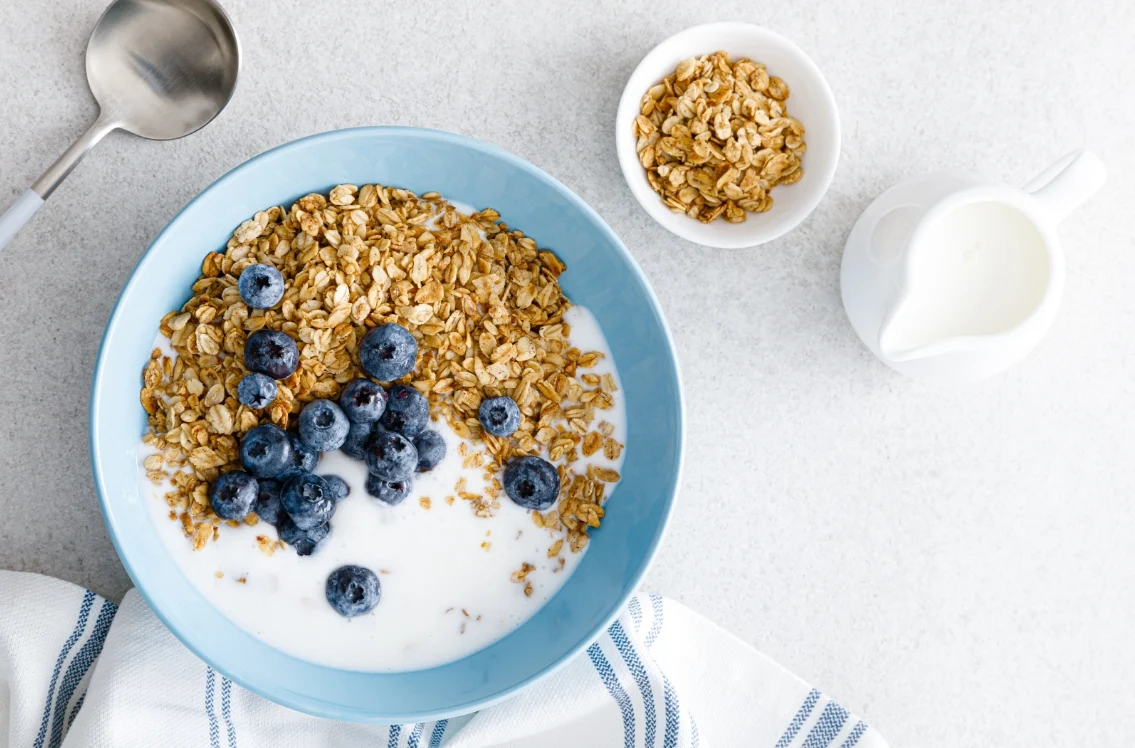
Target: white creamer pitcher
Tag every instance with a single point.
(950, 279)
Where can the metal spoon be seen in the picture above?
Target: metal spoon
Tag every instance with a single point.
(161, 69)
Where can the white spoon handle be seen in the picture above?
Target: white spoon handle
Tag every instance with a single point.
(32, 199)
(20, 213)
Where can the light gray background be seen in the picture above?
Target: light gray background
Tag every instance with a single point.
(958, 567)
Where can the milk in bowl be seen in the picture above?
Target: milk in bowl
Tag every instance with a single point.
(461, 550)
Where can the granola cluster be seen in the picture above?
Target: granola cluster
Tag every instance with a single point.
(715, 137)
(482, 300)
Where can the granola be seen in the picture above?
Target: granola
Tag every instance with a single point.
(715, 137)
(482, 300)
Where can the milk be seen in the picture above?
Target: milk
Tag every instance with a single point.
(950, 278)
(979, 269)
(444, 572)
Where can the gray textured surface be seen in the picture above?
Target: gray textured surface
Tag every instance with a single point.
(958, 567)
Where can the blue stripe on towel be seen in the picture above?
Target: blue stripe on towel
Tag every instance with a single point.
(799, 720)
(638, 672)
(438, 733)
(395, 735)
(656, 624)
(226, 710)
(827, 726)
(80, 627)
(415, 735)
(635, 609)
(669, 696)
(670, 699)
(75, 709)
(856, 733)
(607, 675)
(214, 732)
(78, 668)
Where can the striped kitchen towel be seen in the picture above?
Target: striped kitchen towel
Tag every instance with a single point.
(77, 671)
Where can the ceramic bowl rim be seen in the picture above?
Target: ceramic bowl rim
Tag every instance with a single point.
(284, 696)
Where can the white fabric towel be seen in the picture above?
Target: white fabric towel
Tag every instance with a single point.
(660, 677)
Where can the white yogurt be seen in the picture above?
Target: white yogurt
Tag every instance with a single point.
(444, 572)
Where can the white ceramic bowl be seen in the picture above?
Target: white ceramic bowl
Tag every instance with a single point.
(810, 101)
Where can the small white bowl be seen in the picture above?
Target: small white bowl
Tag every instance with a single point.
(810, 101)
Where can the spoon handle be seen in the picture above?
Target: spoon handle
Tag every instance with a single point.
(32, 200)
(16, 216)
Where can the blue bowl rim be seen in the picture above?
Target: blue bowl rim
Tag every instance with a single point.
(323, 708)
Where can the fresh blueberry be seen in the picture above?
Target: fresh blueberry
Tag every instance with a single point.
(391, 456)
(388, 492)
(256, 391)
(499, 415)
(304, 541)
(267, 504)
(363, 401)
(305, 458)
(353, 590)
(261, 286)
(357, 437)
(388, 352)
(271, 352)
(307, 500)
(431, 450)
(532, 482)
(286, 476)
(323, 425)
(266, 451)
(338, 486)
(232, 494)
(407, 411)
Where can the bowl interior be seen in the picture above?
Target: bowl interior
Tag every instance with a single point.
(810, 101)
(601, 275)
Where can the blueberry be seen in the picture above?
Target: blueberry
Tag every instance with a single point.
(391, 456)
(353, 590)
(357, 437)
(532, 482)
(407, 411)
(232, 494)
(431, 450)
(305, 458)
(256, 391)
(266, 451)
(388, 492)
(307, 500)
(323, 425)
(271, 352)
(499, 415)
(388, 352)
(338, 486)
(287, 475)
(363, 401)
(304, 541)
(267, 504)
(261, 286)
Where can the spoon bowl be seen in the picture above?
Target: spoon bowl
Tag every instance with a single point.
(162, 69)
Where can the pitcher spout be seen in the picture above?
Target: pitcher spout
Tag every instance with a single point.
(910, 333)
(893, 350)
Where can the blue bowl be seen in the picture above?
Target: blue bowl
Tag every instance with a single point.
(601, 275)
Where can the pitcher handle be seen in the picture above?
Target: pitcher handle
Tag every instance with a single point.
(1068, 183)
